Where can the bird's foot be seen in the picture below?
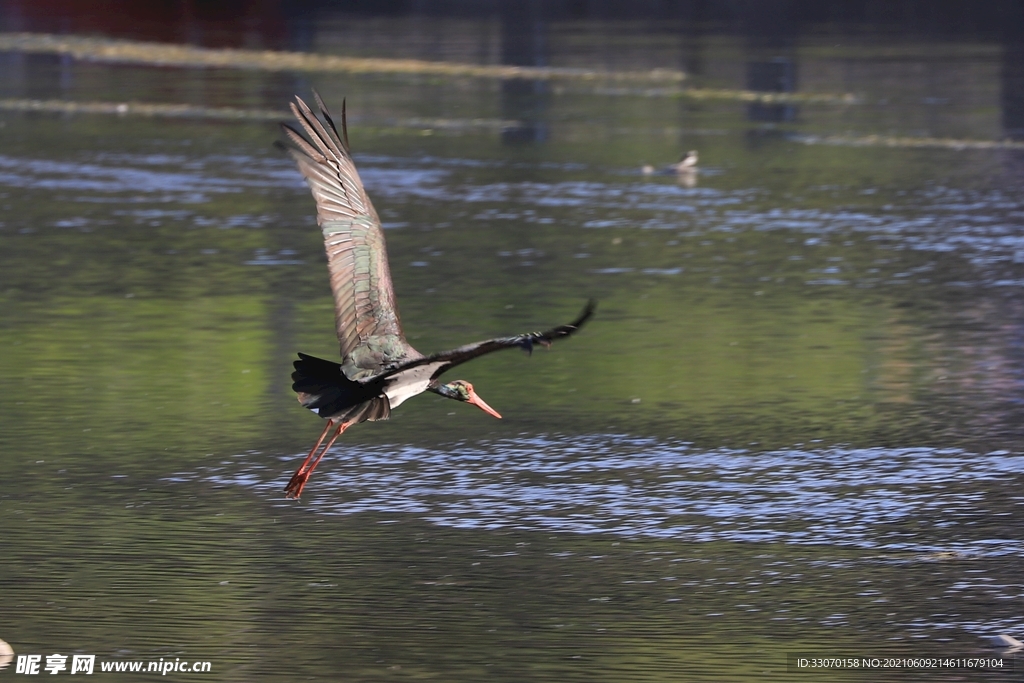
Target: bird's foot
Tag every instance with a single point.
(296, 484)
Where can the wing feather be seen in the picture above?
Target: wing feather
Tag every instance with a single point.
(364, 299)
(449, 359)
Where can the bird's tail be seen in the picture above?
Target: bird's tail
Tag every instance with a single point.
(323, 388)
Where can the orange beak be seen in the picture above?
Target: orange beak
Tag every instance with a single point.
(475, 400)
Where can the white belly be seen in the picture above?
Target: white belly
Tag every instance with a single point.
(410, 383)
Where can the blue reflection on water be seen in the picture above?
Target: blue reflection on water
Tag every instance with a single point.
(983, 226)
(920, 499)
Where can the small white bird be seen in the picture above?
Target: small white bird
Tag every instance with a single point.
(688, 162)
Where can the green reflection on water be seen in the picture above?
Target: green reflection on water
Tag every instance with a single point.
(143, 373)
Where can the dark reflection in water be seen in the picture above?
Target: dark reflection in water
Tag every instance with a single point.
(770, 30)
(794, 426)
(1012, 70)
(524, 42)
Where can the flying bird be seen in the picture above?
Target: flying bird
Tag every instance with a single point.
(380, 370)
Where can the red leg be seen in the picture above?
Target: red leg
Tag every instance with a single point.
(330, 423)
(299, 479)
(341, 430)
(302, 467)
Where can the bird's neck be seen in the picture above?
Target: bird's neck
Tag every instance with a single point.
(441, 389)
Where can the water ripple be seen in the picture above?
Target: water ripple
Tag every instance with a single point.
(984, 227)
(863, 497)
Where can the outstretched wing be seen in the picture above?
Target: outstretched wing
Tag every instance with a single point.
(364, 300)
(440, 363)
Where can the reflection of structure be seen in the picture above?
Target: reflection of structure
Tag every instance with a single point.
(1013, 73)
(770, 30)
(213, 24)
(777, 75)
(523, 43)
(690, 15)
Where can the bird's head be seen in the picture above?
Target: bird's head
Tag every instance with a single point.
(461, 390)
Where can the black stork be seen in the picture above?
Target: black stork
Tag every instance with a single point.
(379, 369)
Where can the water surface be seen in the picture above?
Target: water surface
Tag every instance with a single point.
(793, 425)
